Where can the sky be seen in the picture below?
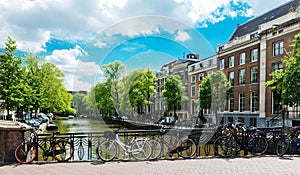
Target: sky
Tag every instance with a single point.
(80, 36)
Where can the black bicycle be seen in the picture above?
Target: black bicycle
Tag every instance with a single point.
(236, 137)
(60, 150)
(184, 146)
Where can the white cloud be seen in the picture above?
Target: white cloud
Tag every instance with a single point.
(32, 22)
(75, 71)
(100, 44)
(182, 36)
(259, 6)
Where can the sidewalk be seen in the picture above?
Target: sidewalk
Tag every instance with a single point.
(256, 165)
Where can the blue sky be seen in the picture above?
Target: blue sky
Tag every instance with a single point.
(80, 36)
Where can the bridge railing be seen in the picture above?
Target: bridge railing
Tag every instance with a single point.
(85, 143)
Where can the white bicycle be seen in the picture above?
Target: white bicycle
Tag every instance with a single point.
(138, 148)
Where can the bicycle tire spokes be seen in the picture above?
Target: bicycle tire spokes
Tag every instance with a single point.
(141, 149)
(107, 150)
(25, 152)
(62, 151)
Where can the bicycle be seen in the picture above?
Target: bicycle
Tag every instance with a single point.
(286, 140)
(138, 148)
(60, 150)
(237, 137)
(185, 147)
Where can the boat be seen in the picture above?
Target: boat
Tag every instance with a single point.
(52, 126)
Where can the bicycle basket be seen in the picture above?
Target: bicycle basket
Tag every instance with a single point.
(109, 135)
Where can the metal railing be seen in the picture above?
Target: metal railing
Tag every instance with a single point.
(86, 143)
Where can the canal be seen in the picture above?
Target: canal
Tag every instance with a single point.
(83, 125)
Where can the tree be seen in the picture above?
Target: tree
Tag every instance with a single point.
(174, 92)
(287, 82)
(54, 96)
(90, 101)
(103, 99)
(33, 81)
(205, 98)
(140, 83)
(11, 77)
(114, 74)
(136, 94)
(213, 91)
(78, 103)
(148, 86)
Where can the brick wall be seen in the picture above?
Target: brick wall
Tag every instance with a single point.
(9, 140)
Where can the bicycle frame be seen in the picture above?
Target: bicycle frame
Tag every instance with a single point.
(125, 147)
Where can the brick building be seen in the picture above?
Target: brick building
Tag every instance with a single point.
(196, 73)
(179, 67)
(255, 49)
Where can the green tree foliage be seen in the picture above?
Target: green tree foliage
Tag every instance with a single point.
(32, 86)
(287, 82)
(33, 81)
(174, 92)
(11, 77)
(141, 87)
(103, 98)
(54, 96)
(205, 94)
(90, 101)
(114, 73)
(78, 103)
(213, 91)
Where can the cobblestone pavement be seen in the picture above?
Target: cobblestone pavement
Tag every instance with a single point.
(256, 165)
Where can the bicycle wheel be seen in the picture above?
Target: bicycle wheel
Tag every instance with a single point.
(25, 152)
(156, 149)
(62, 151)
(225, 146)
(141, 149)
(107, 150)
(282, 146)
(187, 148)
(258, 145)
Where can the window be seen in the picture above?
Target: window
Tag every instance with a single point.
(231, 61)
(242, 58)
(277, 66)
(222, 64)
(254, 35)
(231, 78)
(210, 63)
(193, 91)
(242, 77)
(192, 68)
(278, 48)
(254, 74)
(242, 102)
(193, 79)
(276, 103)
(254, 55)
(231, 103)
(254, 101)
(201, 76)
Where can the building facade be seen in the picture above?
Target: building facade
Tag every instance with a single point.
(196, 73)
(255, 49)
(179, 67)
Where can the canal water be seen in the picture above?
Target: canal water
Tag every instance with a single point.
(83, 125)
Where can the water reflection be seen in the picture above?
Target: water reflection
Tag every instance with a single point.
(83, 125)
